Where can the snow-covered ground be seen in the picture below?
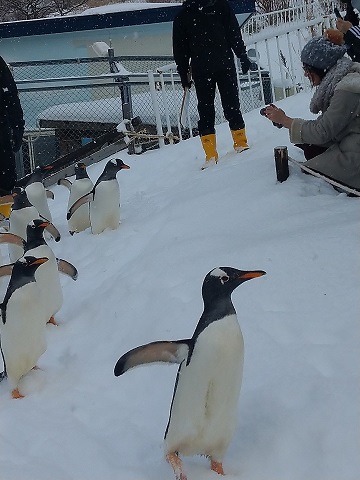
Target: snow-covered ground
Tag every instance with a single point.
(299, 411)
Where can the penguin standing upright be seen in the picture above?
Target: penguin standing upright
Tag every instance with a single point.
(23, 320)
(104, 199)
(81, 186)
(203, 410)
(47, 276)
(36, 192)
(23, 212)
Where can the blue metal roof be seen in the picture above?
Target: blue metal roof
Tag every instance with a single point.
(45, 26)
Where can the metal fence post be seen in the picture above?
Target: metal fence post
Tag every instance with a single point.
(281, 163)
(156, 108)
(125, 89)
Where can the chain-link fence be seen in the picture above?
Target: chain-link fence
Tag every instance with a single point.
(69, 103)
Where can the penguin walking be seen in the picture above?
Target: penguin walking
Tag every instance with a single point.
(47, 276)
(37, 193)
(203, 409)
(104, 199)
(23, 212)
(23, 320)
(81, 186)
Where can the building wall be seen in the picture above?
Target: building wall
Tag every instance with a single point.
(142, 32)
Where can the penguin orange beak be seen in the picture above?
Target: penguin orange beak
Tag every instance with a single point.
(40, 261)
(253, 274)
(125, 166)
(48, 167)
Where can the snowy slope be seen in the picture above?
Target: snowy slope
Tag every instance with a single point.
(298, 411)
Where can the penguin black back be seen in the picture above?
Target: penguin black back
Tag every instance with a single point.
(23, 272)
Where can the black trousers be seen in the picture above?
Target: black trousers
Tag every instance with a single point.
(7, 161)
(205, 86)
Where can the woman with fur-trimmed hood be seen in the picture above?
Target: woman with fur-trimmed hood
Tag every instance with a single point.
(331, 143)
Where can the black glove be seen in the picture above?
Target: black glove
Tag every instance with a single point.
(185, 82)
(17, 136)
(185, 78)
(245, 63)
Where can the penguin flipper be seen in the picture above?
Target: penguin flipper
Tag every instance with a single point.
(6, 270)
(163, 351)
(49, 194)
(12, 238)
(84, 199)
(54, 232)
(65, 182)
(67, 268)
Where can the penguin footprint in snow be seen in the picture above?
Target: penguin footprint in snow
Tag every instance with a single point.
(203, 409)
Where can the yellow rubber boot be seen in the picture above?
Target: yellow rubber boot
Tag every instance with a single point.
(240, 141)
(5, 209)
(209, 146)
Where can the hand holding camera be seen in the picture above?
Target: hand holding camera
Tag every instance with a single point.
(263, 113)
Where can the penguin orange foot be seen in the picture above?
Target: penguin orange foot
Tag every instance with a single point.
(217, 467)
(176, 463)
(16, 394)
(53, 321)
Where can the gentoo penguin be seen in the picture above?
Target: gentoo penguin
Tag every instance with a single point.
(81, 186)
(47, 276)
(22, 213)
(23, 320)
(203, 409)
(36, 192)
(104, 199)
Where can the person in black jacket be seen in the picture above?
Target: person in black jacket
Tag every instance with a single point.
(348, 30)
(351, 35)
(206, 34)
(11, 128)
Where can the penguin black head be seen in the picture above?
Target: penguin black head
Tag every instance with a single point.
(20, 199)
(80, 171)
(35, 230)
(119, 164)
(28, 265)
(38, 174)
(112, 168)
(222, 281)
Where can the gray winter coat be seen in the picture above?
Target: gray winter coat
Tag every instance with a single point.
(337, 128)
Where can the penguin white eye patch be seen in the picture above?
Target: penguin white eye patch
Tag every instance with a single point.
(224, 279)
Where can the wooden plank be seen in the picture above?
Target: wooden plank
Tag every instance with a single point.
(339, 185)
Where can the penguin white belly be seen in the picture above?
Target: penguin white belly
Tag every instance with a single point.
(105, 208)
(19, 220)
(203, 414)
(48, 280)
(23, 338)
(36, 194)
(80, 220)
